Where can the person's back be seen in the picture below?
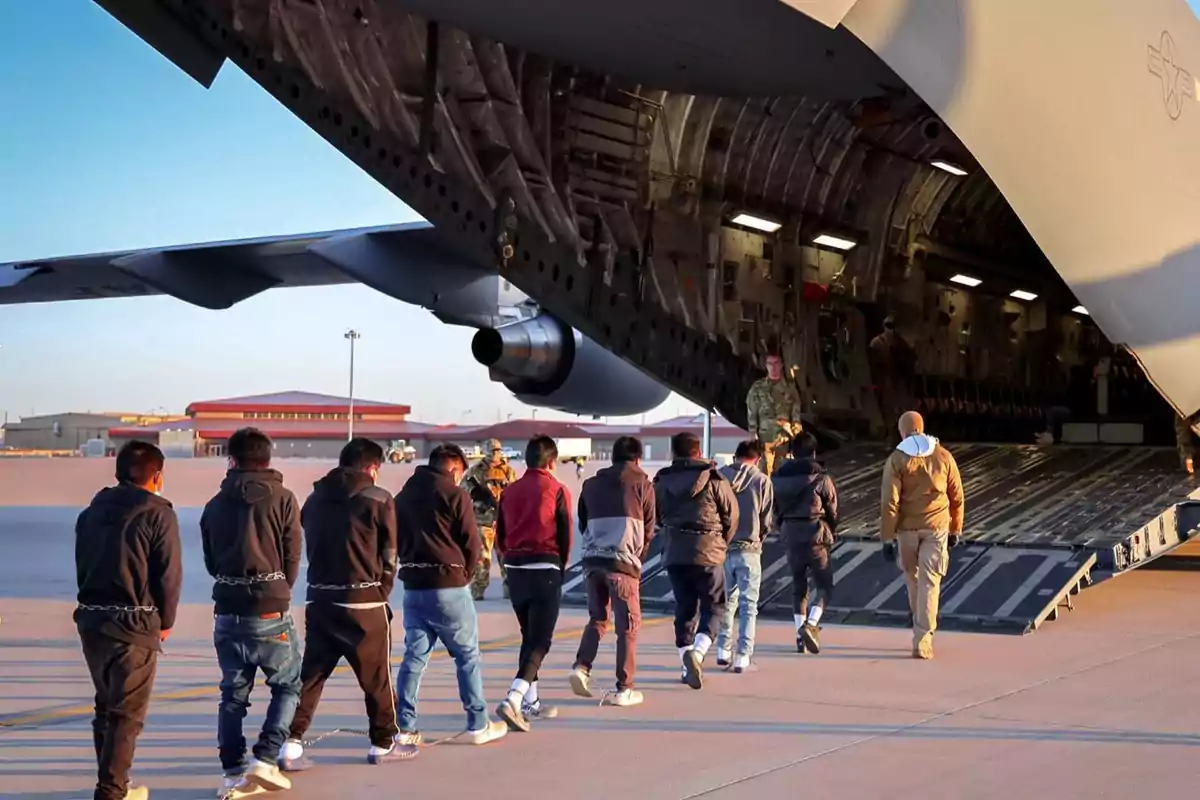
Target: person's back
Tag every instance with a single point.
(437, 539)
(697, 512)
(922, 487)
(439, 549)
(252, 542)
(743, 562)
(127, 557)
(698, 515)
(350, 536)
(616, 518)
(806, 510)
(128, 574)
(617, 515)
(922, 505)
(252, 546)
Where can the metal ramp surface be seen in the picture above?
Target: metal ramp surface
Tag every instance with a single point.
(1042, 523)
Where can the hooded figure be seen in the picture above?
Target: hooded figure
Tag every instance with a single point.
(698, 515)
(743, 562)
(806, 511)
(921, 504)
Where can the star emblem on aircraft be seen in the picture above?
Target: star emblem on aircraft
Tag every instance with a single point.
(1177, 83)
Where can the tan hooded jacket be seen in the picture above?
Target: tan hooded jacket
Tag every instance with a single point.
(922, 490)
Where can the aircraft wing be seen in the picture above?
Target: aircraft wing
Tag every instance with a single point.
(405, 261)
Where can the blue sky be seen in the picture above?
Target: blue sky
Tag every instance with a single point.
(106, 145)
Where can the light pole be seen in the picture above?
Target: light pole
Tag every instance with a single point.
(353, 336)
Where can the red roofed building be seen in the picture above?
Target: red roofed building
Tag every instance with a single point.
(302, 424)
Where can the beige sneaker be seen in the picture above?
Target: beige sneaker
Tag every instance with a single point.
(495, 730)
(581, 682)
(137, 793)
(268, 776)
(625, 698)
(409, 738)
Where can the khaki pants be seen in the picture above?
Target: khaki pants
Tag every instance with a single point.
(771, 461)
(924, 558)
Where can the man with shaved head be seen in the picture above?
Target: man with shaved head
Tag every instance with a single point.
(922, 506)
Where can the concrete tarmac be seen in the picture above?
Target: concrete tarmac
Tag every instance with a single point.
(1098, 704)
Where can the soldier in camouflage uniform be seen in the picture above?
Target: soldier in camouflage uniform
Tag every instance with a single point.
(485, 482)
(773, 411)
(1186, 440)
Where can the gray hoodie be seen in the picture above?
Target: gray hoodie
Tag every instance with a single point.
(756, 501)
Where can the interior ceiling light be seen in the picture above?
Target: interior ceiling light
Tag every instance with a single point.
(758, 223)
(836, 242)
(1021, 294)
(966, 280)
(948, 166)
(1080, 310)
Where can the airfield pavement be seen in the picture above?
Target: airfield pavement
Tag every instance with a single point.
(1101, 703)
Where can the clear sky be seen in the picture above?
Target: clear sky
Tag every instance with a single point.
(106, 145)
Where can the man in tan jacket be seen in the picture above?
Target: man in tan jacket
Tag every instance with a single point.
(922, 505)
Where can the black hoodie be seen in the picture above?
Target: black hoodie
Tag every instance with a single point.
(806, 504)
(697, 511)
(252, 540)
(436, 534)
(128, 565)
(350, 536)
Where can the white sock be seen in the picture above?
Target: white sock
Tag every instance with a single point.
(531, 696)
(683, 651)
(799, 618)
(517, 693)
(814, 615)
(702, 644)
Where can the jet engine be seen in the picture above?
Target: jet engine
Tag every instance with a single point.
(547, 363)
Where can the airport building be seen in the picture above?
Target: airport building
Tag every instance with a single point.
(657, 437)
(302, 425)
(71, 431)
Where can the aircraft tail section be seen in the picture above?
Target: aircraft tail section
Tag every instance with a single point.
(1086, 114)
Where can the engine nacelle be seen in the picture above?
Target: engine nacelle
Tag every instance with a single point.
(546, 363)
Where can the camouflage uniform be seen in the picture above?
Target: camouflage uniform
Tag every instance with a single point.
(486, 481)
(773, 411)
(1186, 440)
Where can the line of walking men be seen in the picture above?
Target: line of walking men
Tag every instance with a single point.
(359, 539)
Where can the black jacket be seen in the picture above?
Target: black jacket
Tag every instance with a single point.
(127, 557)
(806, 503)
(436, 535)
(697, 511)
(350, 536)
(252, 540)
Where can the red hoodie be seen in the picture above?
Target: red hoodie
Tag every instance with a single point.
(534, 525)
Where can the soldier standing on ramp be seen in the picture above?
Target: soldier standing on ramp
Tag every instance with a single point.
(892, 361)
(485, 482)
(773, 410)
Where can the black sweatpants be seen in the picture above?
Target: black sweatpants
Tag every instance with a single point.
(123, 676)
(699, 601)
(806, 560)
(536, 596)
(363, 637)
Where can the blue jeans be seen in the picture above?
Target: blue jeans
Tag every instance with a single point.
(449, 615)
(743, 577)
(244, 646)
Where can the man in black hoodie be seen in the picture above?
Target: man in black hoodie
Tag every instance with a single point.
(617, 514)
(806, 511)
(698, 513)
(439, 547)
(350, 535)
(128, 568)
(251, 536)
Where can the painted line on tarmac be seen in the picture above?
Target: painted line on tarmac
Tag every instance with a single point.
(46, 716)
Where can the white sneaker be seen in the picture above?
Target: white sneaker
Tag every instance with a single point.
(581, 682)
(495, 730)
(741, 663)
(539, 710)
(268, 776)
(228, 782)
(625, 698)
(724, 657)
